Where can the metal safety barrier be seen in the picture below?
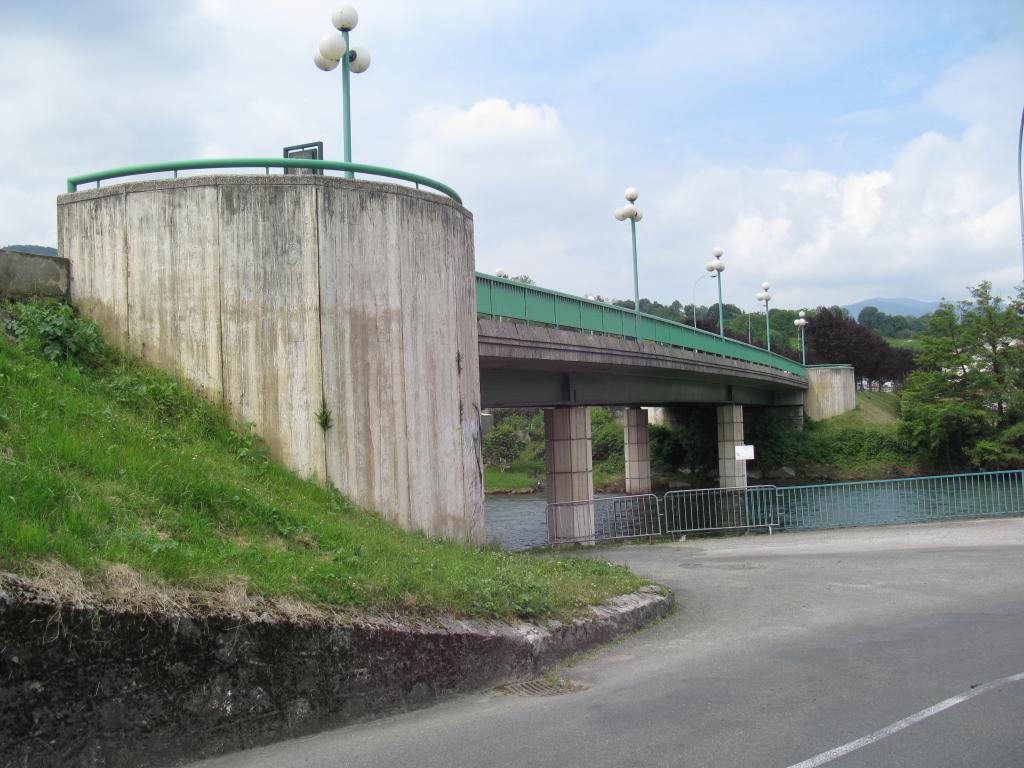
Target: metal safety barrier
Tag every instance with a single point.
(801, 507)
(613, 518)
(721, 509)
(501, 298)
(907, 500)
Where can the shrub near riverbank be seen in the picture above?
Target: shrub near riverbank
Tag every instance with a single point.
(858, 445)
(108, 466)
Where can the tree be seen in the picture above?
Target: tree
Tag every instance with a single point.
(890, 326)
(834, 337)
(502, 445)
(965, 404)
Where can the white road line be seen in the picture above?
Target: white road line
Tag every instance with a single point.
(899, 725)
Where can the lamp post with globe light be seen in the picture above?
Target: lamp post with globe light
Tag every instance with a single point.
(800, 323)
(631, 212)
(333, 50)
(716, 267)
(766, 297)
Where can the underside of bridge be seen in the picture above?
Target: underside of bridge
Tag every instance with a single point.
(567, 371)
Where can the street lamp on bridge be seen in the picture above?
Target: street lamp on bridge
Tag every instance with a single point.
(631, 212)
(716, 267)
(800, 323)
(334, 50)
(766, 297)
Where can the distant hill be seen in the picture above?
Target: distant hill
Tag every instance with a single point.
(911, 307)
(39, 250)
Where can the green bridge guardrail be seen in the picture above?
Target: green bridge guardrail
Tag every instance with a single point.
(260, 162)
(499, 297)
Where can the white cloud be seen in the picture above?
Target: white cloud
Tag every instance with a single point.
(541, 153)
(862, 201)
(528, 181)
(937, 219)
(524, 135)
(928, 226)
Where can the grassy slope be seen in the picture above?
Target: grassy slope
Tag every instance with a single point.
(119, 464)
(859, 444)
(874, 409)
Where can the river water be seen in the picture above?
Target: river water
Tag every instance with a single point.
(517, 521)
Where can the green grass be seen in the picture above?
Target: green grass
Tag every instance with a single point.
(911, 344)
(521, 474)
(510, 480)
(610, 474)
(111, 462)
(874, 409)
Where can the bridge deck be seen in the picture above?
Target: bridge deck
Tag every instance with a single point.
(523, 365)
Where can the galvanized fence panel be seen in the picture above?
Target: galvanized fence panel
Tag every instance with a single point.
(721, 509)
(603, 519)
(906, 500)
(835, 505)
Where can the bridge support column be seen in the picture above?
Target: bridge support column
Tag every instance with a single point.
(570, 469)
(731, 473)
(638, 452)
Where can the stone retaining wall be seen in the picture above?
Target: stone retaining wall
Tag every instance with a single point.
(89, 685)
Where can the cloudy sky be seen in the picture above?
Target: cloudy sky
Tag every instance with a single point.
(838, 150)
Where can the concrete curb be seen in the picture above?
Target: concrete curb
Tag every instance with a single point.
(99, 685)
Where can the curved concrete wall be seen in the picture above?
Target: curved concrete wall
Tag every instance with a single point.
(830, 392)
(276, 293)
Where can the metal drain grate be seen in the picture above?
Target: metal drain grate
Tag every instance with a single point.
(540, 687)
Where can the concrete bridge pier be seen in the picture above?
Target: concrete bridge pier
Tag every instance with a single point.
(570, 471)
(731, 473)
(638, 452)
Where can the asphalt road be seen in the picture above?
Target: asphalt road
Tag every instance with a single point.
(784, 649)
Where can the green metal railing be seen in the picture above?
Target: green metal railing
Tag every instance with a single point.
(907, 500)
(501, 298)
(260, 162)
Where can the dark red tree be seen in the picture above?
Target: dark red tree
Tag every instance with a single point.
(835, 337)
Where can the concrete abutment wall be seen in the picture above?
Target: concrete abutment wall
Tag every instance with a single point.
(275, 294)
(831, 390)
